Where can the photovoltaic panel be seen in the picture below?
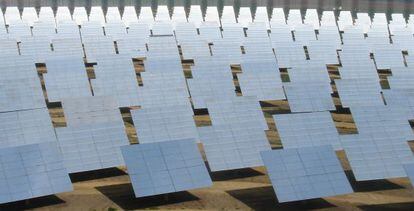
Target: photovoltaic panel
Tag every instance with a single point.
(9, 47)
(94, 133)
(96, 14)
(165, 167)
(129, 16)
(401, 99)
(96, 47)
(307, 129)
(112, 15)
(409, 170)
(402, 78)
(36, 47)
(29, 15)
(79, 15)
(305, 173)
(384, 118)
(91, 110)
(323, 50)
(218, 86)
(210, 31)
(25, 127)
(44, 29)
(32, 171)
(263, 85)
(286, 51)
(308, 71)
(388, 56)
(356, 92)
(115, 29)
(304, 34)
(63, 14)
(66, 77)
(309, 97)
(233, 145)
(236, 109)
(121, 83)
(68, 46)
(377, 155)
(155, 124)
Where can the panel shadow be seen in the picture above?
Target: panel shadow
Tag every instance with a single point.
(96, 174)
(391, 206)
(32, 203)
(233, 174)
(123, 195)
(264, 198)
(373, 185)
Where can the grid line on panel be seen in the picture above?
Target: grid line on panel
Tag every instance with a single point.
(307, 129)
(166, 167)
(305, 173)
(377, 155)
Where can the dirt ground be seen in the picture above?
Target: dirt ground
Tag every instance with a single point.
(245, 189)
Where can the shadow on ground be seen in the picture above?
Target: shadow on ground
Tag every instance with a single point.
(373, 185)
(123, 195)
(32, 203)
(264, 198)
(234, 174)
(97, 174)
(391, 206)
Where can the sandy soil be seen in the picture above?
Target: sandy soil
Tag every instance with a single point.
(245, 189)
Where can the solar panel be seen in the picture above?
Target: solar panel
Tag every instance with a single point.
(307, 130)
(280, 33)
(308, 71)
(212, 14)
(146, 16)
(363, 20)
(19, 29)
(63, 14)
(162, 28)
(96, 47)
(309, 97)
(9, 47)
(344, 20)
(227, 50)
(20, 91)
(122, 84)
(359, 71)
(66, 77)
(91, 110)
(233, 145)
(228, 15)
(79, 15)
(304, 34)
(245, 16)
(323, 50)
(278, 16)
(165, 167)
(67, 30)
(195, 49)
(113, 15)
(91, 29)
(401, 99)
(305, 173)
(32, 171)
(162, 13)
(155, 124)
(401, 79)
(12, 15)
(356, 92)
(25, 127)
(44, 29)
(29, 15)
(96, 15)
(285, 51)
(263, 85)
(233, 32)
(210, 31)
(115, 29)
(384, 118)
(133, 46)
(94, 133)
(312, 18)
(244, 109)
(185, 32)
(377, 155)
(46, 15)
(409, 170)
(195, 16)
(330, 34)
(68, 46)
(36, 47)
(294, 18)
(328, 19)
(129, 16)
(258, 30)
(202, 88)
(262, 16)
(179, 15)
